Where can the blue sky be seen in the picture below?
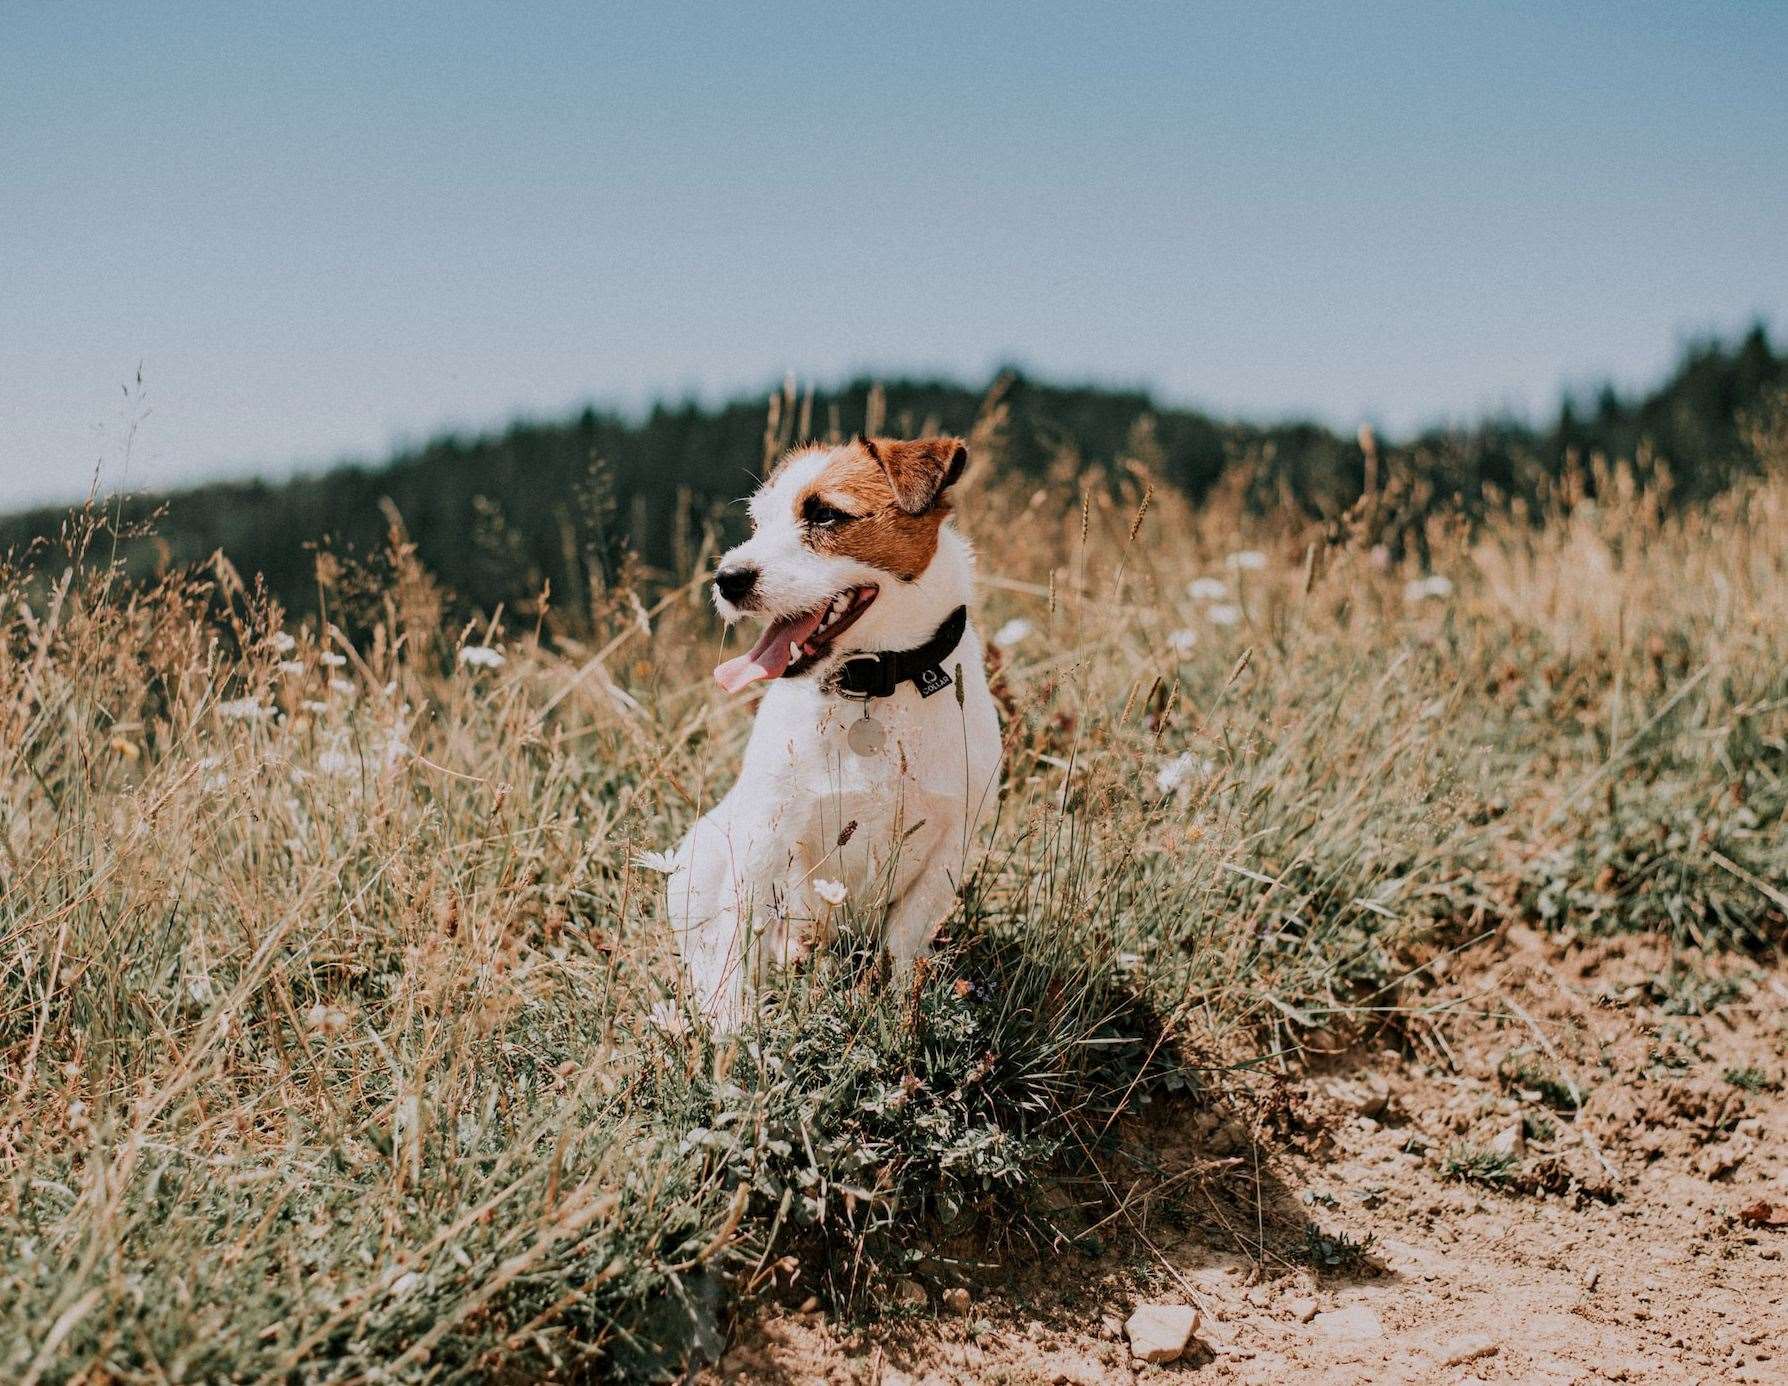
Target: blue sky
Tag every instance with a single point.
(323, 228)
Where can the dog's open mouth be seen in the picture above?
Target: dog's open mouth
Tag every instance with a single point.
(793, 643)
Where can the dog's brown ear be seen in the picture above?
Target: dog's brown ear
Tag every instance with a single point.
(919, 471)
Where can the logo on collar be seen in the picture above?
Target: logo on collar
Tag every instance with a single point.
(932, 680)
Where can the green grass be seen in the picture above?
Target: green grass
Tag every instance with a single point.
(1335, 1252)
(1469, 1165)
(1523, 1071)
(327, 973)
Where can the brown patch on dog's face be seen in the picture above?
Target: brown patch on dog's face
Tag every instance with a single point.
(881, 501)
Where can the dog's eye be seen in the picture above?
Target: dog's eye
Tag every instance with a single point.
(816, 512)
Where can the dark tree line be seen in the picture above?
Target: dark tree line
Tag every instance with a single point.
(494, 517)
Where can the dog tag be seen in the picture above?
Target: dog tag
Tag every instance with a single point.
(866, 736)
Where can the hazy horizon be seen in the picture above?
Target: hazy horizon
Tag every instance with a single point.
(327, 234)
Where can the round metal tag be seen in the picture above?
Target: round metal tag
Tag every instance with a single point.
(866, 736)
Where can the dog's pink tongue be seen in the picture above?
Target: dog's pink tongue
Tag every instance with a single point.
(770, 656)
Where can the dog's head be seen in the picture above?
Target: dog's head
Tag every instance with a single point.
(843, 539)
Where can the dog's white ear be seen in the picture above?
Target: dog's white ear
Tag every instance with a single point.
(919, 470)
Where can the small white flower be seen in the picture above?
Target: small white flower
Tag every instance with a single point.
(1245, 560)
(283, 643)
(291, 666)
(404, 1283)
(343, 686)
(1224, 614)
(1012, 632)
(1420, 589)
(333, 660)
(832, 892)
(1208, 589)
(313, 706)
(662, 862)
(1183, 642)
(481, 657)
(668, 1016)
(393, 749)
(198, 986)
(328, 1020)
(1174, 775)
(245, 710)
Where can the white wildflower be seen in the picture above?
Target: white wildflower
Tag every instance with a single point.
(344, 757)
(1208, 589)
(662, 862)
(313, 706)
(244, 710)
(291, 666)
(481, 657)
(392, 749)
(1174, 775)
(1012, 632)
(333, 660)
(668, 1016)
(344, 686)
(1183, 642)
(327, 1020)
(1420, 589)
(1245, 560)
(198, 986)
(1224, 614)
(283, 643)
(832, 892)
(404, 1283)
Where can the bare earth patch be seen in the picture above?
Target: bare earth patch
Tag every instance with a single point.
(1573, 1167)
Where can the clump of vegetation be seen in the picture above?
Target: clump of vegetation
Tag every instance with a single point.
(1687, 992)
(332, 1012)
(1522, 1071)
(1752, 1079)
(1335, 1252)
(1470, 1165)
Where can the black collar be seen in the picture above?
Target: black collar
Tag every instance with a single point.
(877, 674)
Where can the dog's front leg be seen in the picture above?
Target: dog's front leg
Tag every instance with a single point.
(710, 920)
(915, 918)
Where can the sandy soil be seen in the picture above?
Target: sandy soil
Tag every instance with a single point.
(1641, 1237)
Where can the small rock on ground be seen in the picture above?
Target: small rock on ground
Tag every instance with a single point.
(1468, 1348)
(1356, 1321)
(1160, 1332)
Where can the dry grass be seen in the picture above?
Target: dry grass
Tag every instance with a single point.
(326, 967)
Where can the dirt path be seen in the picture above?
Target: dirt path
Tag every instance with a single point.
(1574, 1169)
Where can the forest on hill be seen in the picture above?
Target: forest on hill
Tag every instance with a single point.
(497, 517)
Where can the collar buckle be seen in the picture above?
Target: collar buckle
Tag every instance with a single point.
(868, 676)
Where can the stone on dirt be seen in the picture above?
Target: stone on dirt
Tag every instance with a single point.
(1468, 1348)
(1356, 1322)
(1160, 1332)
(1303, 1309)
(1510, 1141)
(956, 1300)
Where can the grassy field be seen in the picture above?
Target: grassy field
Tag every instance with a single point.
(338, 1022)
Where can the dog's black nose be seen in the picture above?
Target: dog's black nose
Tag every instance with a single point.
(735, 583)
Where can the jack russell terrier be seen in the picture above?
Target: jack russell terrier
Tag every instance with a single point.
(876, 751)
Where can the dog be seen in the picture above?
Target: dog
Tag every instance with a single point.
(875, 755)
